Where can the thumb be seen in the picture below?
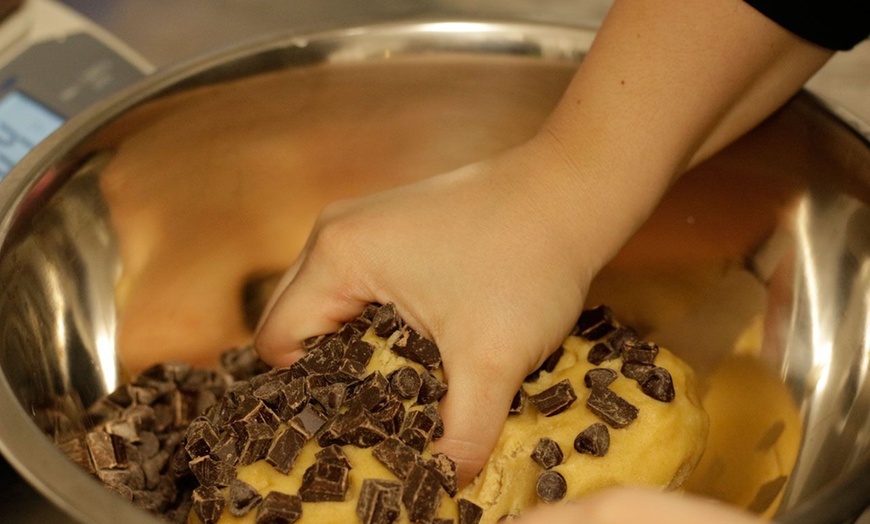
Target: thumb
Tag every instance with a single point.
(474, 410)
(313, 301)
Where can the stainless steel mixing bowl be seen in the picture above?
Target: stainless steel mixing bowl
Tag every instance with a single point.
(131, 235)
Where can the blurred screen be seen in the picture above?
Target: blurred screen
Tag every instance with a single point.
(24, 123)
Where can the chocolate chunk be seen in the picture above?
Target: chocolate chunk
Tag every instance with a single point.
(270, 393)
(432, 412)
(549, 365)
(431, 389)
(405, 382)
(210, 472)
(285, 449)
(551, 486)
(555, 399)
(518, 403)
(421, 494)
(611, 408)
(594, 440)
(379, 501)
(243, 498)
(201, 437)
(208, 503)
(417, 430)
(369, 312)
(620, 337)
(397, 456)
(243, 362)
(469, 512)
(356, 426)
(370, 393)
(659, 385)
(333, 454)
(254, 442)
(308, 421)
(76, 448)
(227, 450)
(323, 358)
(547, 453)
(329, 397)
(594, 323)
(445, 469)
(640, 351)
(107, 451)
(599, 377)
(359, 351)
(391, 415)
(386, 320)
(417, 348)
(293, 398)
(279, 508)
(324, 481)
(636, 370)
(600, 353)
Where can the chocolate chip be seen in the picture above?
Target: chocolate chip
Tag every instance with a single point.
(107, 451)
(370, 393)
(386, 320)
(201, 437)
(620, 337)
(308, 421)
(599, 377)
(445, 469)
(594, 323)
(601, 353)
(357, 427)
(547, 453)
(549, 365)
(279, 508)
(359, 351)
(324, 357)
(397, 456)
(208, 503)
(333, 454)
(417, 348)
(611, 408)
(243, 498)
(405, 382)
(226, 450)
(285, 449)
(421, 494)
(555, 399)
(293, 398)
(659, 385)
(254, 442)
(329, 397)
(594, 440)
(636, 370)
(270, 393)
(323, 482)
(469, 512)
(391, 415)
(551, 486)
(210, 472)
(432, 412)
(518, 403)
(640, 351)
(417, 430)
(431, 389)
(379, 501)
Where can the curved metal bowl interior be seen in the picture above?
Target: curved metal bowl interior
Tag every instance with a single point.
(133, 235)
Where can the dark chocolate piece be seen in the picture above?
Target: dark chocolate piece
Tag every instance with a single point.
(518, 403)
(551, 486)
(323, 358)
(421, 494)
(285, 449)
(405, 382)
(469, 512)
(432, 412)
(370, 393)
(417, 430)
(445, 469)
(594, 323)
(210, 472)
(600, 353)
(243, 498)
(636, 370)
(329, 397)
(599, 377)
(208, 503)
(334, 454)
(594, 440)
(549, 365)
(659, 385)
(324, 481)
(270, 393)
(611, 408)
(386, 320)
(356, 426)
(379, 501)
(254, 442)
(359, 351)
(640, 351)
(308, 421)
(107, 451)
(279, 508)
(555, 399)
(431, 389)
(397, 456)
(391, 415)
(417, 348)
(201, 437)
(547, 453)
(227, 450)
(294, 397)
(620, 337)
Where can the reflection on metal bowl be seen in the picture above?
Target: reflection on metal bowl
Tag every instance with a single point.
(133, 235)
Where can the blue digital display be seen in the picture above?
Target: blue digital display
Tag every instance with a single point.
(24, 122)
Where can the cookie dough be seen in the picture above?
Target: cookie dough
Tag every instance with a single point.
(579, 424)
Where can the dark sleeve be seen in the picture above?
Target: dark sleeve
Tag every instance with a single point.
(834, 24)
